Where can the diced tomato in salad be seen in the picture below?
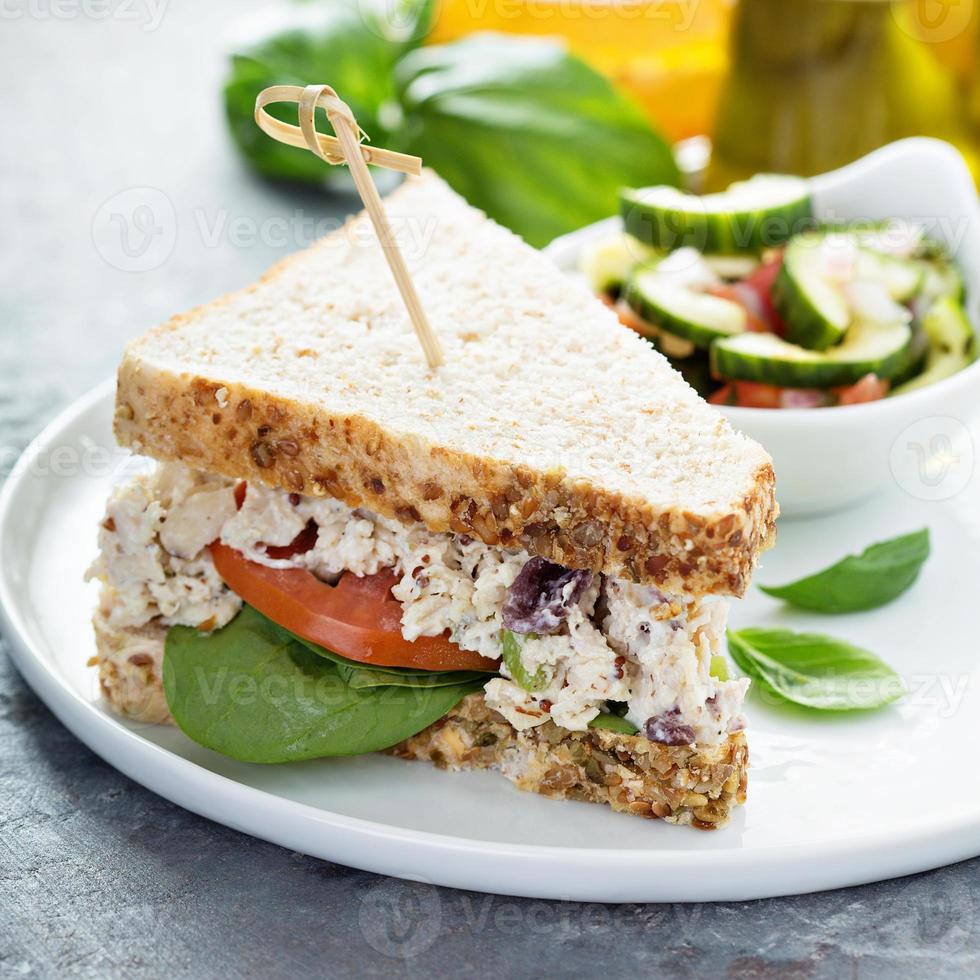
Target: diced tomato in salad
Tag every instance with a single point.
(870, 388)
(760, 282)
(749, 300)
(754, 295)
(750, 394)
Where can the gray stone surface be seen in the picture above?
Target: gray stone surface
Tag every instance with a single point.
(99, 877)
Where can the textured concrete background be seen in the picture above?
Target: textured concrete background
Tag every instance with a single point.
(99, 877)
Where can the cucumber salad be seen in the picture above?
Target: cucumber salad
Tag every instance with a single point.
(759, 304)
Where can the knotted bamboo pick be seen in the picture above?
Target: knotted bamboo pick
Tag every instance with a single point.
(346, 147)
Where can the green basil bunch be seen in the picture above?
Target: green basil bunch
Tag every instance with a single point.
(521, 128)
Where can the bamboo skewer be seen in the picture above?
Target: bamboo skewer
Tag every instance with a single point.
(346, 147)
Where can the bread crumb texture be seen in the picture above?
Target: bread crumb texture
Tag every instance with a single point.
(549, 427)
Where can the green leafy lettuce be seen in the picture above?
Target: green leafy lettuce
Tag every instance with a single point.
(814, 670)
(254, 692)
(878, 575)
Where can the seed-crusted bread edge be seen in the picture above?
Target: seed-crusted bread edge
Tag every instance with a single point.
(225, 426)
(681, 784)
(241, 432)
(696, 785)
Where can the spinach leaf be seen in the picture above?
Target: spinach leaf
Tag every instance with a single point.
(878, 575)
(367, 675)
(342, 42)
(613, 723)
(813, 670)
(254, 693)
(512, 661)
(527, 132)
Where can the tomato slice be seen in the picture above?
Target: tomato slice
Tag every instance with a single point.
(761, 282)
(725, 395)
(753, 394)
(749, 300)
(870, 388)
(357, 618)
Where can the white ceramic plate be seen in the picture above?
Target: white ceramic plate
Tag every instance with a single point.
(832, 801)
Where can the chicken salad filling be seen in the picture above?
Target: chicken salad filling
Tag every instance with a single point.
(575, 645)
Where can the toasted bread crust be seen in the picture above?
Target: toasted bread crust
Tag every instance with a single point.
(681, 784)
(240, 432)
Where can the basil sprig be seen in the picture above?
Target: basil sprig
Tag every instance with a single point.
(254, 692)
(520, 127)
(858, 582)
(814, 670)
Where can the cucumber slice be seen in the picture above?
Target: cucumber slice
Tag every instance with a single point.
(814, 309)
(670, 346)
(952, 344)
(881, 349)
(608, 263)
(941, 279)
(697, 317)
(759, 213)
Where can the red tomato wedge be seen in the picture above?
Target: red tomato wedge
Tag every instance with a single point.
(761, 282)
(725, 395)
(357, 618)
(870, 388)
(752, 394)
(748, 299)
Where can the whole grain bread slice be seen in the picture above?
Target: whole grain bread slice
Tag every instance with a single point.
(550, 426)
(697, 785)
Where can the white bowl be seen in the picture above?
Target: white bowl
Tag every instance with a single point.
(830, 458)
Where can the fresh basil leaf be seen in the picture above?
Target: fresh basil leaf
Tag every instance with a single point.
(346, 43)
(512, 661)
(527, 132)
(613, 723)
(813, 670)
(878, 575)
(360, 675)
(252, 693)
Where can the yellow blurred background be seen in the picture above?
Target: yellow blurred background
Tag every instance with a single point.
(782, 85)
